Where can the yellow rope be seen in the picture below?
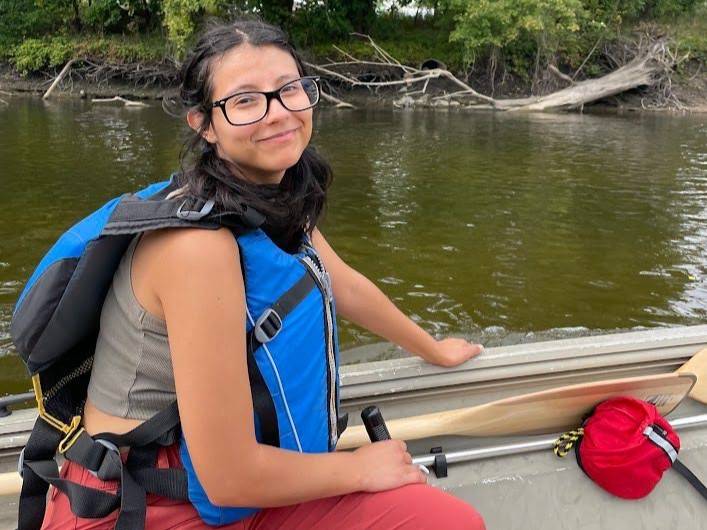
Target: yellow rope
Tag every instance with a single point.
(566, 442)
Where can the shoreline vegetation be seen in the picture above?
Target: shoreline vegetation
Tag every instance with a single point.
(501, 55)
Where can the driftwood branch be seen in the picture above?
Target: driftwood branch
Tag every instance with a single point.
(556, 72)
(126, 102)
(58, 79)
(339, 103)
(591, 52)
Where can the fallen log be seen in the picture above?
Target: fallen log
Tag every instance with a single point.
(642, 71)
(650, 67)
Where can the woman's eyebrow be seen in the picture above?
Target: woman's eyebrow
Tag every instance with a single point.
(240, 88)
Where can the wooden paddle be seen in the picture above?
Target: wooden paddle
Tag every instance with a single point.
(547, 411)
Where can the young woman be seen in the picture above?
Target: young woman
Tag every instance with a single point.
(176, 318)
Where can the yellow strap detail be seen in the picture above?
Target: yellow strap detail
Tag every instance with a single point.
(566, 442)
(71, 430)
(70, 439)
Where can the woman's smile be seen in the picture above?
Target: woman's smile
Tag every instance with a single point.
(282, 137)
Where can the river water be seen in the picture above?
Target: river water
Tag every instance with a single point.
(500, 228)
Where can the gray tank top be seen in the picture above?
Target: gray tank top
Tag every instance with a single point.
(132, 373)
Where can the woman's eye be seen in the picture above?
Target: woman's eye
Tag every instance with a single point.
(289, 88)
(242, 101)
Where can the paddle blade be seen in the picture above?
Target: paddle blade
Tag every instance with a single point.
(698, 366)
(564, 408)
(544, 412)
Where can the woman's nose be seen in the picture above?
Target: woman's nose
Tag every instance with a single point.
(276, 111)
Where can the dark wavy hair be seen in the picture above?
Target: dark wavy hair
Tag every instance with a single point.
(291, 207)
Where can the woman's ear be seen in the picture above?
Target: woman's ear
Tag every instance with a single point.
(195, 118)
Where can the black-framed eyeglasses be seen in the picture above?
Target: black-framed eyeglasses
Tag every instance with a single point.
(245, 108)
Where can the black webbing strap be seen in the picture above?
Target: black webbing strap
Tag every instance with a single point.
(39, 473)
(144, 442)
(40, 449)
(281, 308)
(137, 477)
(342, 422)
(671, 451)
(263, 405)
(133, 215)
(691, 478)
(159, 429)
(85, 502)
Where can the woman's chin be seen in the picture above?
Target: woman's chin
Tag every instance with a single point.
(281, 163)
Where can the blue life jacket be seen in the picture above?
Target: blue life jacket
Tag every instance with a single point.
(289, 308)
(293, 361)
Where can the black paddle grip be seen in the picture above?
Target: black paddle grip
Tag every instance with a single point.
(375, 424)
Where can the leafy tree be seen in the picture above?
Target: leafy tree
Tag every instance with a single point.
(276, 11)
(120, 16)
(180, 17)
(484, 24)
(20, 19)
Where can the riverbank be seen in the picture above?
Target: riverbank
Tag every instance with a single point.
(689, 88)
(140, 67)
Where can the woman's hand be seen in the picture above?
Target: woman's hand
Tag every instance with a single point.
(454, 351)
(386, 465)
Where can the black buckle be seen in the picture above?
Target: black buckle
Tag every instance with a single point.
(110, 461)
(193, 215)
(267, 326)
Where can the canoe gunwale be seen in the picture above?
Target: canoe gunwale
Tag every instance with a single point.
(548, 363)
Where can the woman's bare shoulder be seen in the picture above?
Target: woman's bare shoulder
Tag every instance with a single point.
(177, 247)
(190, 258)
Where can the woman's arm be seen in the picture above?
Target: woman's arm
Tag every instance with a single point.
(197, 278)
(360, 301)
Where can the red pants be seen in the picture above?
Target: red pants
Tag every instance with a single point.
(416, 506)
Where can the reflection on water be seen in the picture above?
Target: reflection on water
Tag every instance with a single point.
(508, 228)
(503, 228)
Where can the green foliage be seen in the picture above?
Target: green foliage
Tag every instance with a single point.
(120, 16)
(36, 54)
(121, 49)
(313, 23)
(181, 17)
(179, 21)
(484, 24)
(40, 34)
(20, 19)
(690, 33)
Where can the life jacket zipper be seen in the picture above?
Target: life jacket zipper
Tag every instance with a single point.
(321, 278)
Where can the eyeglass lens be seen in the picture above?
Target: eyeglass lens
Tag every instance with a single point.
(249, 107)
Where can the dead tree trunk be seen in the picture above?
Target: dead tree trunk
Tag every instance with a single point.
(644, 70)
(650, 67)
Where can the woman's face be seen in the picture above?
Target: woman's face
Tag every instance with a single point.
(265, 149)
